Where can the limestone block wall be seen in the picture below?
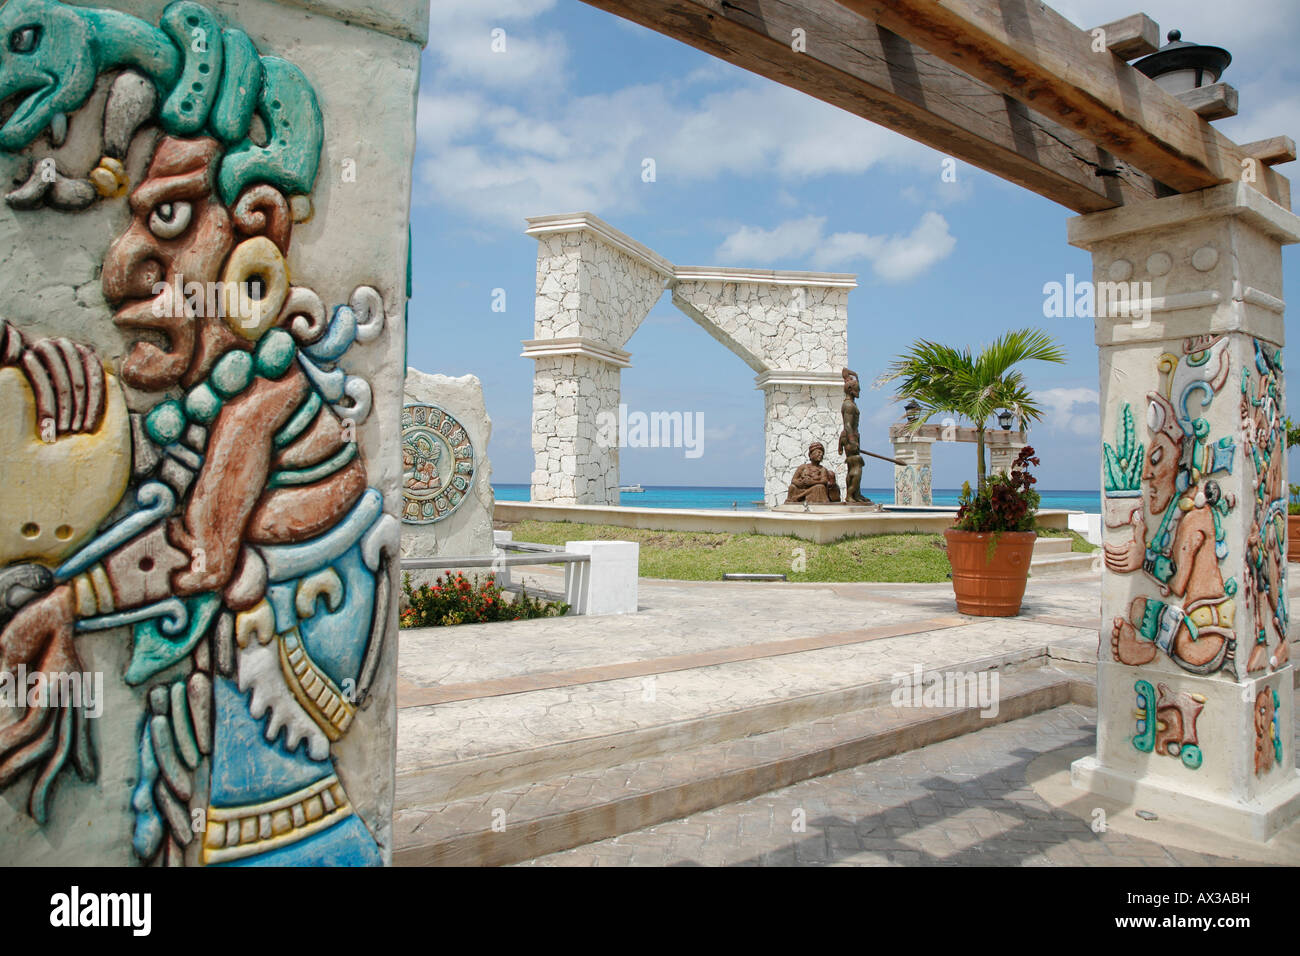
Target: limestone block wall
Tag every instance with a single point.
(196, 488)
(461, 523)
(796, 321)
(796, 416)
(594, 287)
(575, 462)
(588, 287)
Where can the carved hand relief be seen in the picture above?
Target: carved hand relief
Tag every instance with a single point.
(247, 556)
(437, 464)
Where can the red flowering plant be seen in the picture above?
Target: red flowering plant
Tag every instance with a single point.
(1005, 503)
(455, 600)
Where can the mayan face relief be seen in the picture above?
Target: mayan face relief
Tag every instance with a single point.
(205, 497)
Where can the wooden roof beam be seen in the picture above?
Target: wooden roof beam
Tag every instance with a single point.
(865, 69)
(1029, 51)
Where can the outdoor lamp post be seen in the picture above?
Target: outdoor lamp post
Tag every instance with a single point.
(911, 410)
(1004, 420)
(1178, 66)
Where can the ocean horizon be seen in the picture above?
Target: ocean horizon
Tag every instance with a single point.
(725, 498)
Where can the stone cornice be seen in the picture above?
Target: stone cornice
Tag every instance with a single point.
(586, 222)
(827, 280)
(792, 377)
(1230, 199)
(576, 345)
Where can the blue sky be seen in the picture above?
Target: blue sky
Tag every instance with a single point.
(750, 173)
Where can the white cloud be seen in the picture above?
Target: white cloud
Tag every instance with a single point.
(1066, 410)
(496, 163)
(794, 239)
(894, 258)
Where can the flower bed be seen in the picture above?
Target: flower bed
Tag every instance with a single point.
(455, 600)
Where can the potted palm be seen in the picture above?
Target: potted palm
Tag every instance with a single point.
(992, 541)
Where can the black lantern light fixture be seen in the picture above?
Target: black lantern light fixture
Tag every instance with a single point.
(1004, 420)
(911, 410)
(1178, 66)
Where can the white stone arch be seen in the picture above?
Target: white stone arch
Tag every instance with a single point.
(596, 285)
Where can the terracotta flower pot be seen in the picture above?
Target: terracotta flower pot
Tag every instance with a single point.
(1293, 537)
(989, 586)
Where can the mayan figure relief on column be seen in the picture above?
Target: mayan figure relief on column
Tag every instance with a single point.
(203, 499)
(1194, 667)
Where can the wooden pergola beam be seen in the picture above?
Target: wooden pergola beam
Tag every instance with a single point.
(1032, 53)
(871, 72)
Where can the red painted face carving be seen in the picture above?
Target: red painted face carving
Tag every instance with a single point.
(181, 233)
(1161, 472)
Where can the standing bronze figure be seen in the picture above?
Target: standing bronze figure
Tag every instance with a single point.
(851, 441)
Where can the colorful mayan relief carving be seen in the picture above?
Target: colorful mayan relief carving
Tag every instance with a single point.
(1268, 731)
(1167, 724)
(437, 463)
(1178, 538)
(1263, 425)
(228, 524)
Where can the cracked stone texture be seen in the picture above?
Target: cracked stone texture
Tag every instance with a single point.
(961, 802)
(587, 287)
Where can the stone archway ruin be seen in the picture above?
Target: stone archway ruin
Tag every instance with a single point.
(595, 285)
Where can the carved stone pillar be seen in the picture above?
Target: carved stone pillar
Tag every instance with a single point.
(912, 482)
(1194, 681)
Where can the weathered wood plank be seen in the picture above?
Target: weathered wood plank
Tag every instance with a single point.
(1131, 37)
(870, 72)
(1216, 101)
(1272, 151)
(1029, 51)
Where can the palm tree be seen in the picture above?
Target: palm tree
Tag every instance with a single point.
(944, 379)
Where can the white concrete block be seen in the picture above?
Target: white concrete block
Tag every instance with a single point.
(606, 585)
(1087, 525)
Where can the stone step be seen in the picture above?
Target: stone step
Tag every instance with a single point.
(1045, 546)
(1070, 563)
(521, 737)
(547, 814)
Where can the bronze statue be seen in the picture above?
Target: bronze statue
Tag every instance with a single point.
(812, 483)
(851, 441)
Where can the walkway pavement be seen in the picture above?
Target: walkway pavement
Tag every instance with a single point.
(566, 725)
(963, 802)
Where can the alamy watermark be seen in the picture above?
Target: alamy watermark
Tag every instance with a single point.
(947, 689)
(654, 430)
(84, 691)
(1088, 300)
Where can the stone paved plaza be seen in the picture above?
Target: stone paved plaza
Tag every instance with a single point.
(708, 726)
(962, 802)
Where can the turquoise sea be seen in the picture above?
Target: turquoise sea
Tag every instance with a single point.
(746, 499)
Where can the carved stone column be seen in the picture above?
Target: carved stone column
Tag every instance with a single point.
(912, 482)
(1195, 686)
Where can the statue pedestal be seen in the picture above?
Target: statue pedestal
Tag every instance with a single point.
(830, 509)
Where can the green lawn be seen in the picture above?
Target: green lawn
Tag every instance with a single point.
(700, 556)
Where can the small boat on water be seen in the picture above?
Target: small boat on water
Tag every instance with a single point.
(631, 490)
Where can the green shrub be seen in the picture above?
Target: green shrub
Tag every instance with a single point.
(455, 600)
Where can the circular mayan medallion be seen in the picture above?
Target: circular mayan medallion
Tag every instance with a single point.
(437, 464)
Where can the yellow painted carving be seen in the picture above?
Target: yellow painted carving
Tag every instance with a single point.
(110, 179)
(257, 623)
(258, 257)
(54, 495)
(324, 583)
